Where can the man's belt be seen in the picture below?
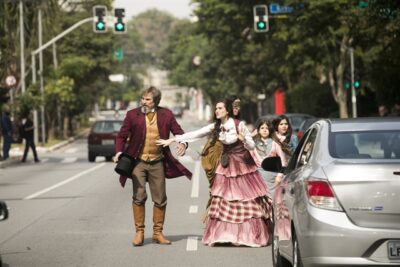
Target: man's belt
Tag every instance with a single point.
(151, 161)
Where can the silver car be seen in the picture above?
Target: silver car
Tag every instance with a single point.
(339, 201)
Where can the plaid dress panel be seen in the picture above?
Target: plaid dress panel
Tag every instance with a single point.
(238, 211)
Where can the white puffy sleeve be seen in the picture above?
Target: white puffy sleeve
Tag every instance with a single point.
(248, 139)
(194, 135)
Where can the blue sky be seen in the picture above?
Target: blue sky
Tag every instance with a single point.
(178, 8)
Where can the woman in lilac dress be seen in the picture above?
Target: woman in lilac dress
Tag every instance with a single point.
(240, 212)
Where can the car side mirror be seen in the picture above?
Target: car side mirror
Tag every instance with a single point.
(272, 164)
(3, 211)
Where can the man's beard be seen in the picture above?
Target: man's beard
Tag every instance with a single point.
(146, 109)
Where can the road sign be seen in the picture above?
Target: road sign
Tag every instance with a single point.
(119, 54)
(275, 8)
(10, 80)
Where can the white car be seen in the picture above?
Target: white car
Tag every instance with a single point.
(338, 203)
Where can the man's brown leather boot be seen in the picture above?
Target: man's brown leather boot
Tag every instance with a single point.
(158, 220)
(138, 215)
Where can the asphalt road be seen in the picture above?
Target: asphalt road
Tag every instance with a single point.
(66, 211)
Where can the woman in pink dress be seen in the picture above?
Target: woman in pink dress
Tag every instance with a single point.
(240, 212)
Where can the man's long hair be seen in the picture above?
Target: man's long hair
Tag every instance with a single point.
(154, 92)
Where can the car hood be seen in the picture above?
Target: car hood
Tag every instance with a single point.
(368, 192)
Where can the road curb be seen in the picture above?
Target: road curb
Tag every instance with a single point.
(15, 158)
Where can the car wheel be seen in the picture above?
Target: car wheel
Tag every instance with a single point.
(296, 253)
(277, 260)
(91, 157)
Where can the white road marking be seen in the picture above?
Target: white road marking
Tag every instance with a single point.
(186, 159)
(64, 182)
(71, 150)
(69, 160)
(196, 180)
(193, 209)
(191, 244)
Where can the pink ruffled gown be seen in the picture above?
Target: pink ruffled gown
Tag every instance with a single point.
(240, 212)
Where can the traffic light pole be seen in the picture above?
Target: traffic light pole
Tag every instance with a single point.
(39, 50)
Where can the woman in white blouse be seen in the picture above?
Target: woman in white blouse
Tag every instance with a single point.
(240, 212)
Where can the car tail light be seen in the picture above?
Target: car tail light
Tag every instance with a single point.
(320, 194)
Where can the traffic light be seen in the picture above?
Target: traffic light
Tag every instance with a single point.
(99, 19)
(260, 13)
(119, 21)
(357, 84)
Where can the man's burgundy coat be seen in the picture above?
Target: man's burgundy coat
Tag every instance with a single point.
(134, 126)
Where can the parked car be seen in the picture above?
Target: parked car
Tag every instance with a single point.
(304, 126)
(3, 216)
(338, 202)
(101, 139)
(296, 119)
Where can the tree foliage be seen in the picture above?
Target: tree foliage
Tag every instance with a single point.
(309, 46)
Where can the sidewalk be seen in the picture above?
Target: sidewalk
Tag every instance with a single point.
(17, 152)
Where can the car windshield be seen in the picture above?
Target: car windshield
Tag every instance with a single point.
(365, 144)
(107, 126)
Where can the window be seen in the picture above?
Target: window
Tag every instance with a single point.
(107, 126)
(307, 148)
(365, 144)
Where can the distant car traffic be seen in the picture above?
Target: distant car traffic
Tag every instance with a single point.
(338, 203)
(101, 139)
(177, 111)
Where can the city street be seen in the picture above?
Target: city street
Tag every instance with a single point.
(66, 211)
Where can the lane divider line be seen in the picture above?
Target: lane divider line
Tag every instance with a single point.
(196, 180)
(193, 209)
(191, 244)
(64, 182)
(69, 160)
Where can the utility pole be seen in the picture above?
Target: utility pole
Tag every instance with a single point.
(353, 90)
(42, 117)
(39, 50)
(21, 35)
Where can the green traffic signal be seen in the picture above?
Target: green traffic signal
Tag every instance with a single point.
(120, 27)
(356, 84)
(100, 26)
(261, 25)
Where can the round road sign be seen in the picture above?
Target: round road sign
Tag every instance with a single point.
(10, 80)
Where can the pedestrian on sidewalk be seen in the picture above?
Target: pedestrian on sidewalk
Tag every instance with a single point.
(240, 212)
(27, 132)
(144, 125)
(6, 128)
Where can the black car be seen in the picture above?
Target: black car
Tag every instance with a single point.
(101, 139)
(304, 126)
(3, 216)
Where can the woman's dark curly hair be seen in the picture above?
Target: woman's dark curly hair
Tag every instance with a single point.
(217, 122)
(285, 144)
